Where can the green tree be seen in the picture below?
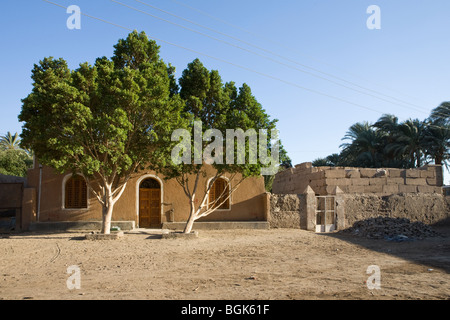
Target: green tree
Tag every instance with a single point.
(15, 162)
(365, 147)
(441, 113)
(103, 121)
(409, 141)
(285, 163)
(437, 136)
(389, 143)
(214, 109)
(333, 160)
(437, 142)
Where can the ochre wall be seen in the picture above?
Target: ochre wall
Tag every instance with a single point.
(248, 202)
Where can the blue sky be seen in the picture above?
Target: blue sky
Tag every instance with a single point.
(406, 62)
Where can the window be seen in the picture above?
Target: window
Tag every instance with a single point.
(218, 194)
(75, 193)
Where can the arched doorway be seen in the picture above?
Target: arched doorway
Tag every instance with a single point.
(150, 204)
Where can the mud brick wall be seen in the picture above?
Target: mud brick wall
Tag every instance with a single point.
(290, 210)
(323, 180)
(426, 208)
(287, 211)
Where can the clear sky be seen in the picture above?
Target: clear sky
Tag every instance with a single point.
(313, 64)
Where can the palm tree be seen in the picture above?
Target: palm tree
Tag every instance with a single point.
(437, 142)
(365, 148)
(333, 160)
(388, 123)
(441, 113)
(10, 142)
(409, 141)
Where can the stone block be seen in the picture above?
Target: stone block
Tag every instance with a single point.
(373, 189)
(355, 189)
(396, 181)
(381, 173)
(317, 175)
(390, 189)
(412, 173)
(360, 182)
(416, 181)
(317, 183)
(432, 181)
(303, 166)
(352, 174)
(368, 173)
(337, 182)
(407, 189)
(426, 189)
(427, 173)
(395, 173)
(336, 173)
(377, 181)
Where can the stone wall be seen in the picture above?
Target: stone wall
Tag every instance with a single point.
(323, 180)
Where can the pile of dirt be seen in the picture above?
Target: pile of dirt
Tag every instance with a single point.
(391, 229)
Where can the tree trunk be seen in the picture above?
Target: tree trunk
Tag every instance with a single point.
(106, 218)
(419, 163)
(191, 220)
(107, 210)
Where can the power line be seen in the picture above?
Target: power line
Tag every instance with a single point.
(232, 63)
(271, 59)
(423, 110)
(297, 52)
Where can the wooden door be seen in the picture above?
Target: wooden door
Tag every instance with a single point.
(149, 208)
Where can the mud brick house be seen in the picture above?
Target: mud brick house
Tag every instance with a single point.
(149, 201)
(319, 199)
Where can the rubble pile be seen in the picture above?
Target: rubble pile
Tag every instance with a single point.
(391, 229)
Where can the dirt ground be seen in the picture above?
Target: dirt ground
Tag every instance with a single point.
(278, 264)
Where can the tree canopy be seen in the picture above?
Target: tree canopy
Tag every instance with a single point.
(103, 121)
(226, 118)
(14, 161)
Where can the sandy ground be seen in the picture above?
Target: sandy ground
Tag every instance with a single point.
(278, 264)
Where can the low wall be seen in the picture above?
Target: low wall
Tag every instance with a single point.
(323, 180)
(297, 211)
(425, 208)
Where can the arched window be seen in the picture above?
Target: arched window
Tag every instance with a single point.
(219, 193)
(75, 193)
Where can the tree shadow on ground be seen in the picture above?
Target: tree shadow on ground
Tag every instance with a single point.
(433, 252)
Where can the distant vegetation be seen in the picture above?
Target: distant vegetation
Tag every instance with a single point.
(14, 161)
(390, 143)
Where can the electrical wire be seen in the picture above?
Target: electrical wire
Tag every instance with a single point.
(274, 60)
(237, 65)
(284, 46)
